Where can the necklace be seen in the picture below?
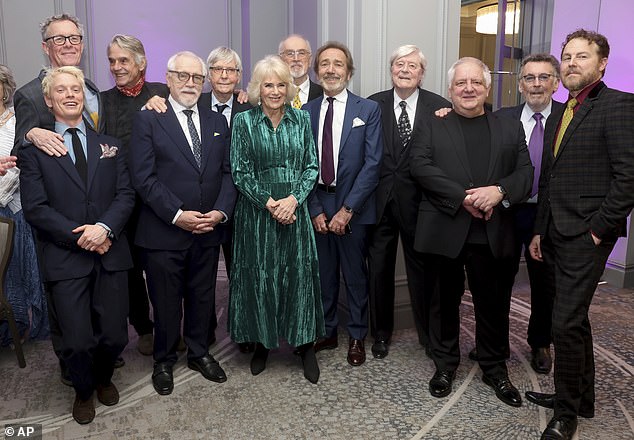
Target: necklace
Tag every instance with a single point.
(4, 118)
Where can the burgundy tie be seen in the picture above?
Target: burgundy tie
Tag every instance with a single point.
(327, 161)
(535, 148)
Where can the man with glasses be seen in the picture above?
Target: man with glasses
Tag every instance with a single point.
(538, 80)
(404, 108)
(295, 51)
(225, 73)
(62, 42)
(179, 164)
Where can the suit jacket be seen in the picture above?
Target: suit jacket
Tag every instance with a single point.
(396, 181)
(205, 101)
(31, 110)
(314, 91)
(589, 186)
(118, 109)
(167, 178)
(360, 153)
(439, 163)
(515, 112)
(56, 201)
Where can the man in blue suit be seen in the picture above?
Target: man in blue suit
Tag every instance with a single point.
(79, 204)
(348, 134)
(179, 163)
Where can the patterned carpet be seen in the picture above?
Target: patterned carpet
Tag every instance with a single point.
(383, 399)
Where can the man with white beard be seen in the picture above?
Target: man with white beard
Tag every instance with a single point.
(295, 51)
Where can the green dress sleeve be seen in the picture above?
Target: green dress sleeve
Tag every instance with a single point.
(311, 167)
(242, 162)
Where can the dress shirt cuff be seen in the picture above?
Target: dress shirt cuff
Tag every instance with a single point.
(178, 214)
(107, 228)
(225, 219)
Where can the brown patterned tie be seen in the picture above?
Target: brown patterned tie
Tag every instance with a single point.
(565, 121)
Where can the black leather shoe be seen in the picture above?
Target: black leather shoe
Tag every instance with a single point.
(326, 343)
(162, 379)
(258, 361)
(547, 400)
(209, 368)
(560, 429)
(380, 347)
(473, 354)
(309, 361)
(504, 390)
(440, 383)
(541, 361)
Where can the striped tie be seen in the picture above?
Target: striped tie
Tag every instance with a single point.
(565, 121)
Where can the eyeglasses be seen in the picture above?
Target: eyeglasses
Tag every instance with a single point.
(228, 70)
(542, 78)
(184, 77)
(60, 40)
(302, 53)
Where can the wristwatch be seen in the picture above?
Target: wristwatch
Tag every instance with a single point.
(347, 209)
(505, 202)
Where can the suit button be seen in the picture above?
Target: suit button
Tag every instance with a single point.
(471, 185)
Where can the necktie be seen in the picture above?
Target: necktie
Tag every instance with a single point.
(80, 157)
(327, 161)
(196, 148)
(565, 121)
(297, 103)
(535, 148)
(404, 127)
(221, 107)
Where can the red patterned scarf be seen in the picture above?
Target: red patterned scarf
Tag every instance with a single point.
(135, 89)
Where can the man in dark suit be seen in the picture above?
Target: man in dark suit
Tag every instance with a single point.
(403, 109)
(538, 80)
(295, 51)
(79, 204)
(179, 162)
(347, 130)
(586, 192)
(472, 166)
(225, 73)
(128, 64)
(62, 42)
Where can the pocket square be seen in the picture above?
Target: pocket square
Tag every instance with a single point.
(357, 122)
(216, 134)
(107, 151)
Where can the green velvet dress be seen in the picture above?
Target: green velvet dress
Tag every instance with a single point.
(274, 289)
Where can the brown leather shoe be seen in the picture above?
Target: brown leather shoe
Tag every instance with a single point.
(108, 394)
(356, 352)
(541, 361)
(83, 410)
(326, 343)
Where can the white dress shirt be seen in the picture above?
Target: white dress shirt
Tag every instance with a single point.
(227, 111)
(411, 101)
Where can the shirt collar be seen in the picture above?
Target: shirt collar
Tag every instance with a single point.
(584, 93)
(305, 86)
(411, 99)
(341, 97)
(289, 113)
(215, 101)
(61, 128)
(527, 112)
(178, 108)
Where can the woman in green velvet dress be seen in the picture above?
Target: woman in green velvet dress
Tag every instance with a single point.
(274, 290)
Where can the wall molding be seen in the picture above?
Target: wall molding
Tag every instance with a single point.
(3, 39)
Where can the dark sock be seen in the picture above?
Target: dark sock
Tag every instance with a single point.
(258, 362)
(309, 360)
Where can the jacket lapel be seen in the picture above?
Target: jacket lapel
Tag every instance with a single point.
(69, 167)
(352, 110)
(495, 142)
(93, 157)
(173, 128)
(457, 138)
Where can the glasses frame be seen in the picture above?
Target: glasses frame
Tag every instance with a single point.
(68, 38)
(291, 54)
(183, 77)
(230, 71)
(541, 78)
